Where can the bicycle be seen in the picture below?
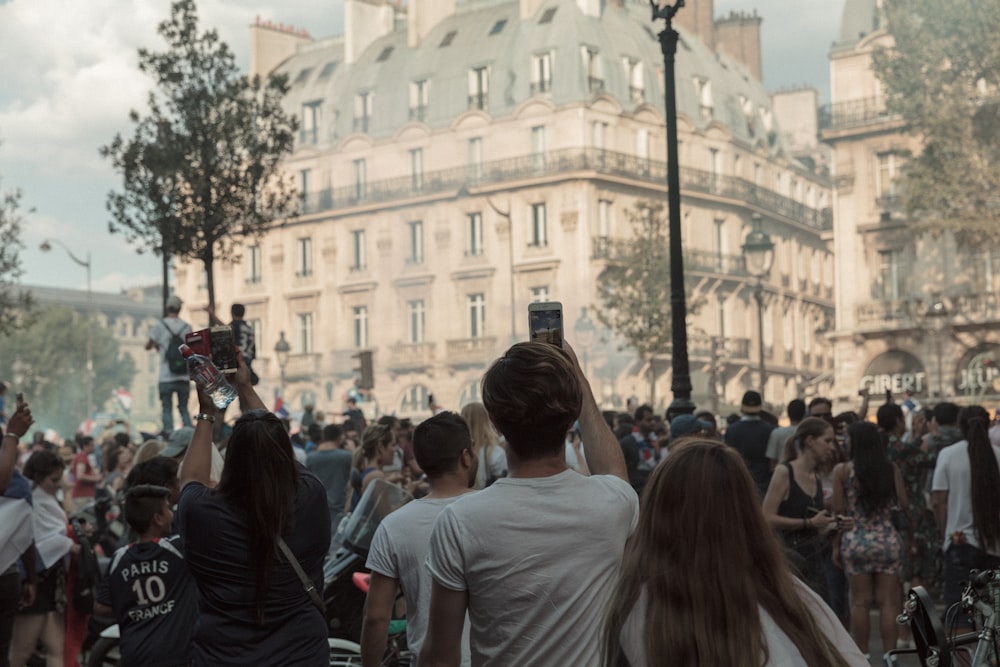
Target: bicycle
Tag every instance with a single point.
(935, 647)
(345, 653)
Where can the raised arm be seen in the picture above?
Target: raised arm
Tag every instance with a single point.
(604, 454)
(240, 380)
(18, 425)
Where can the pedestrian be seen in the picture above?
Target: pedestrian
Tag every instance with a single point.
(444, 449)
(331, 463)
(542, 534)
(242, 538)
(866, 489)
(796, 412)
(966, 498)
(703, 580)
(793, 504)
(639, 448)
(486, 441)
(165, 336)
(749, 437)
(378, 448)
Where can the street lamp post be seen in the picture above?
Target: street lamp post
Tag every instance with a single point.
(680, 383)
(46, 246)
(584, 333)
(759, 253)
(281, 350)
(938, 314)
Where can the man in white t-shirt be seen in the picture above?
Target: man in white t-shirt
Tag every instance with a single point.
(533, 558)
(443, 448)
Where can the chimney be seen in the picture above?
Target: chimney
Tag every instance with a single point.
(273, 43)
(738, 37)
(364, 22)
(698, 18)
(423, 16)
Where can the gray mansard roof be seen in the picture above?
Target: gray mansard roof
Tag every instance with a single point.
(860, 18)
(319, 75)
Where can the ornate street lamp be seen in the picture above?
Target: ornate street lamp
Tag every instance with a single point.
(584, 334)
(46, 246)
(680, 383)
(937, 314)
(758, 250)
(281, 350)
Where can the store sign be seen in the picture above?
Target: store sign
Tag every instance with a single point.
(978, 372)
(895, 371)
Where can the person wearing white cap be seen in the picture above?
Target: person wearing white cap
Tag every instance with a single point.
(165, 336)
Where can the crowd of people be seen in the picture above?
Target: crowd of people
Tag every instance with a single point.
(528, 544)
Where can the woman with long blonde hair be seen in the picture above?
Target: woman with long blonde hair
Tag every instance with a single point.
(704, 581)
(486, 442)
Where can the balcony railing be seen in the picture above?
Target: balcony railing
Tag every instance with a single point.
(610, 163)
(403, 356)
(477, 101)
(361, 124)
(888, 314)
(978, 307)
(302, 365)
(418, 113)
(854, 113)
(596, 84)
(701, 261)
(733, 350)
(471, 351)
(538, 87)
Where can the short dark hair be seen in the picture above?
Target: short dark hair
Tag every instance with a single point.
(158, 471)
(438, 443)
(142, 503)
(888, 416)
(41, 464)
(315, 431)
(796, 409)
(946, 413)
(332, 432)
(237, 310)
(819, 400)
(533, 395)
(642, 411)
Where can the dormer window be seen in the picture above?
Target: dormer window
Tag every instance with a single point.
(419, 99)
(479, 84)
(636, 83)
(363, 107)
(541, 73)
(592, 66)
(703, 88)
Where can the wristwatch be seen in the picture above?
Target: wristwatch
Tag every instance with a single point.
(205, 417)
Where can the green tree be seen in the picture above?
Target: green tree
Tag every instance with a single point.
(201, 170)
(11, 298)
(51, 353)
(634, 287)
(943, 77)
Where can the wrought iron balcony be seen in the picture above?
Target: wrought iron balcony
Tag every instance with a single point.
(695, 261)
(854, 113)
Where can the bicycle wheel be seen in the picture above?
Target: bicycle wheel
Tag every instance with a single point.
(928, 635)
(344, 653)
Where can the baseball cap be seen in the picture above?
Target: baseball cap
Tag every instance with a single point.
(686, 425)
(179, 442)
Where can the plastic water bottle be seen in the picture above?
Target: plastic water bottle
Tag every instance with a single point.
(209, 378)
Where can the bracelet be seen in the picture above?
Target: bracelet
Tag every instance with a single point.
(12, 435)
(205, 417)
(805, 523)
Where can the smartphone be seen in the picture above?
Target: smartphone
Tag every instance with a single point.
(545, 322)
(223, 349)
(19, 399)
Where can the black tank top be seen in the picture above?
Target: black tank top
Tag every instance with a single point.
(799, 504)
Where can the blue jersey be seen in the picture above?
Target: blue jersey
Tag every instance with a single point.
(155, 602)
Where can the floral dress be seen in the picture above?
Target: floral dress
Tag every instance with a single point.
(913, 464)
(873, 545)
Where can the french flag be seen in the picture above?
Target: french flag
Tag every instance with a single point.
(279, 408)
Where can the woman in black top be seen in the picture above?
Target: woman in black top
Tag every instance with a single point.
(793, 504)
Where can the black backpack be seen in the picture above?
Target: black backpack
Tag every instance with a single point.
(88, 572)
(176, 363)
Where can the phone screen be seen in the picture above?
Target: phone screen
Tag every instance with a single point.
(546, 325)
(223, 349)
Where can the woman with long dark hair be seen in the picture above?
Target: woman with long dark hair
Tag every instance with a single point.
(794, 505)
(866, 488)
(966, 497)
(254, 608)
(704, 580)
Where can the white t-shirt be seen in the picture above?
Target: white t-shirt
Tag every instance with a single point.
(954, 475)
(539, 558)
(399, 550)
(158, 333)
(782, 651)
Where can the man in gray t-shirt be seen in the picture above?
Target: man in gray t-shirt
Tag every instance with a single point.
(443, 448)
(332, 464)
(163, 335)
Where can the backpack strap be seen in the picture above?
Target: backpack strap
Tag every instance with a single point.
(307, 583)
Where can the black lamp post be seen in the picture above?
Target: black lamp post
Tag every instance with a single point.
(759, 254)
(937, 313)
(281, 350)
(680, 383)
(584, 333)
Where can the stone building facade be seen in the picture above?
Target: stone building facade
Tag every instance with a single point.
(460, 160)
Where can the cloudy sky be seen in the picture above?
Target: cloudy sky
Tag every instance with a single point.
(69, 78)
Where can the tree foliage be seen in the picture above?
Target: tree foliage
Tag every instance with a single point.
(51, 350)
(12, 299)
(634, 287)
(943, 77)
(201, 170)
